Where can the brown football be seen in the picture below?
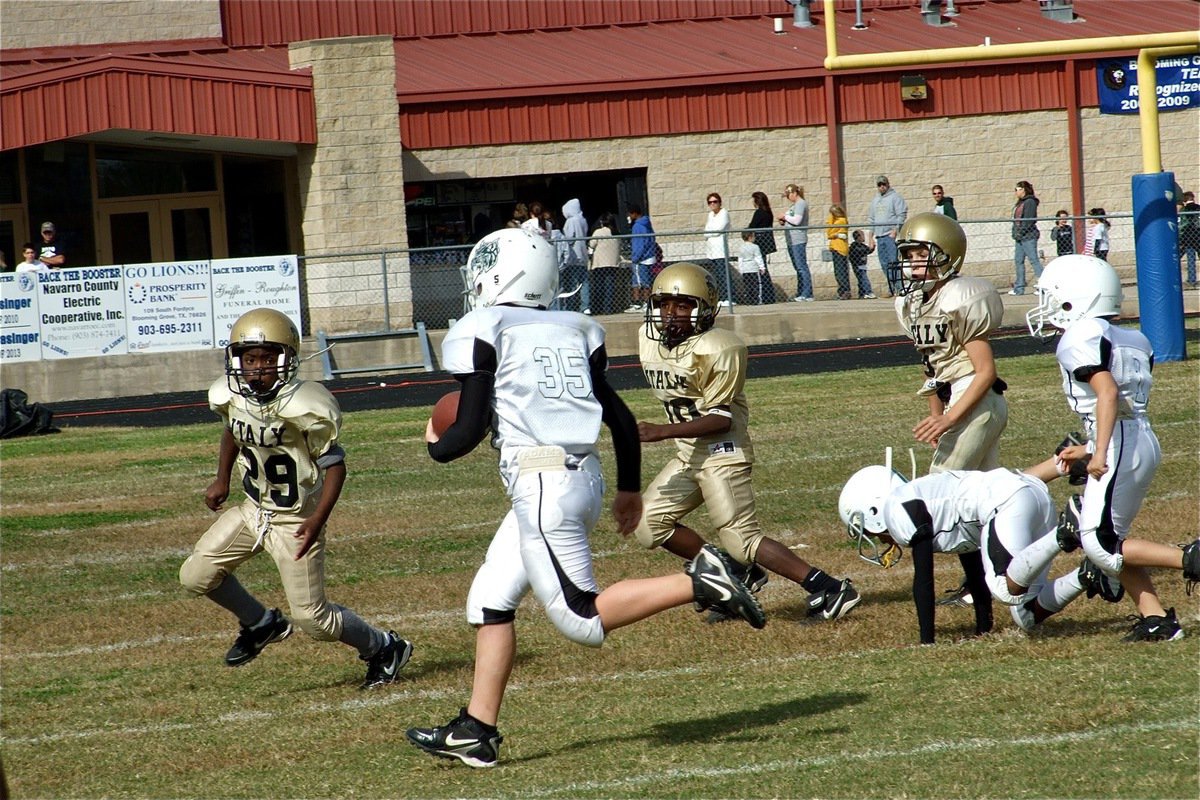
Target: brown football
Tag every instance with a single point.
(445, 410)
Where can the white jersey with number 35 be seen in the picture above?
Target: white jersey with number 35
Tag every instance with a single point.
(543, 381)
(1096, 345)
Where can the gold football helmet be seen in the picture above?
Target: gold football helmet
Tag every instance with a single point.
(262, 327)
(689, 281)
(947, 248)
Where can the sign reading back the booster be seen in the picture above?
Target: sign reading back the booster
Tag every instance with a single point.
(1178, 84)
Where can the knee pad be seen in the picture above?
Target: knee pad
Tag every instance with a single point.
(743, 547)
(652, 533)
(1103, 547)
(323, 623)
(999, 589)
(199, 578)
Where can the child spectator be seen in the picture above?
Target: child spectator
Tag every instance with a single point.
(753, 269)
(859, 250)
(1062, 233)
(1097, 234)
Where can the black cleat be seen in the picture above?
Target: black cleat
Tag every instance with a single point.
(753, 576)
(1155, 628)
(716, 587)
(833, 603)
(1068, 525)
(463, 737)
(251, 641)
(1191, 566)
(957, 598)
(384, 666)
(1097, 583)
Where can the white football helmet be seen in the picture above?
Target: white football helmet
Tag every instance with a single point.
(1072, 288)
(262, 327)
(512, 266)
(861, 509)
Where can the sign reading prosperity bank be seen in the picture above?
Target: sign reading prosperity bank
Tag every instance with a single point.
(168, 306)
(1178, 84)
(138, 308)
(82, 312)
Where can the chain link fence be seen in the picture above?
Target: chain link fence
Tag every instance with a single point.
(389, 290)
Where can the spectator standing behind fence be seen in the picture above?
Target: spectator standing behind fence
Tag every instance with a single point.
(753, 267)
(1189, 234)
(859, 250)
(763, 221)
(795, 232)
(519, 216)
(537, 222)
(31, 263)
(643, 255)
(575, 271)
(1063, 233)
(942, 204)
(837, 231)
(885, 216)
(51, 252)
(1025, 235)
(716, 244)
(1097, 234)
(606, 264)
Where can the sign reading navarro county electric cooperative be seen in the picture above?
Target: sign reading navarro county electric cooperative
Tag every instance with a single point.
(240, 284)
(1178, 84)
(82, 312)
(168, 307)
(20, 337)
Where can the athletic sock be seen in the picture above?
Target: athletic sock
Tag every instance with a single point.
(233, 597)
(359, 635)
(819, 581)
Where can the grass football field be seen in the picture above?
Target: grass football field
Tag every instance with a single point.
(113, 682)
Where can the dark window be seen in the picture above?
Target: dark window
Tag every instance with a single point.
(122, 172)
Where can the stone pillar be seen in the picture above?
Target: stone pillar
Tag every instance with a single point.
(352, 187)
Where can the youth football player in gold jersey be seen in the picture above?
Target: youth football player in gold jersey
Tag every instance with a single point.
(699, 373)
(283, 434)
(950, 317)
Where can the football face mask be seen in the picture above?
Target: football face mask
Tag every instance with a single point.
(1072, 288)
(683, 303)
(262, 355)
(931, 243)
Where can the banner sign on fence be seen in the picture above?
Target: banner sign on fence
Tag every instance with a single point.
(1178, 84)
(82, 312)
(168, 306)
(240, 284)
(20, 332)
(139, 308)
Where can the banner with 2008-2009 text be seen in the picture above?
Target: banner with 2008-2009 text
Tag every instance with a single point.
(1177, 79)
(139, 308)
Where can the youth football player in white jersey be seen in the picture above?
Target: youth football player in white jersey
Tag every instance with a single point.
(1007, 517)
(699, 373)
(537, 379)
(1106, 374)
(283, 434)
(950, 318)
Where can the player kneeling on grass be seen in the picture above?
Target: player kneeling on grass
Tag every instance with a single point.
(1005, 516)
(538, 379)
(1106, 377)
(698, 372)
(283, 434)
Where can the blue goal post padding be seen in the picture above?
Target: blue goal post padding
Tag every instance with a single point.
(1156, 248)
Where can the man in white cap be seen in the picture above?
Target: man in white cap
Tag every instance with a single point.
(51, 251)
(884, 218)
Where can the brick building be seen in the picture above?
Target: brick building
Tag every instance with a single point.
(158, 131)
